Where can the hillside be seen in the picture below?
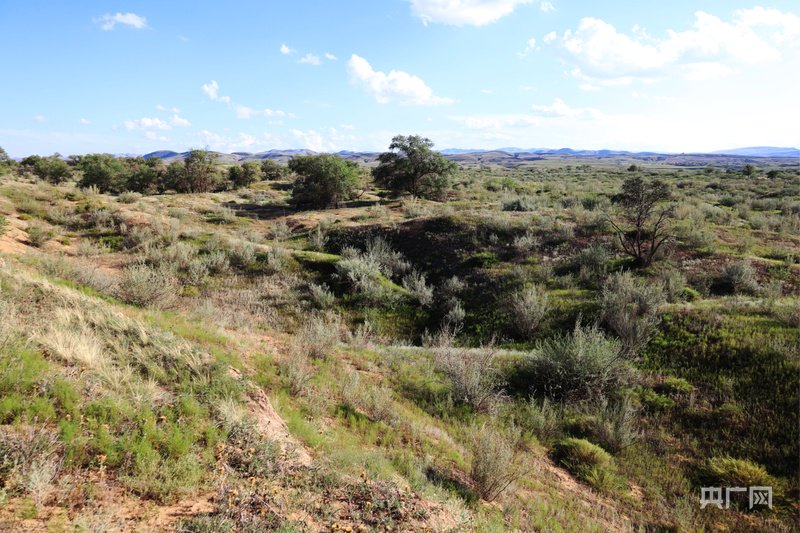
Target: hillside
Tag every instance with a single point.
(226, 361)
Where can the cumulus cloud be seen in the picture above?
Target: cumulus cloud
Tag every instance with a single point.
(178, 120)
(243, 111)
(147, 123)
(310, 59)
(464, 12)
(85, 121)
(530, 46)
(710, 48)
(559, 108)
(550, 37)
(547, 7)
(396, 86)
(285, 50)
(212, 91)
(108, 21)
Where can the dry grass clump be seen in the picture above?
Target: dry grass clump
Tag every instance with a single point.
(472, 372)
(146, 286)
(495, 462)
(527, 307)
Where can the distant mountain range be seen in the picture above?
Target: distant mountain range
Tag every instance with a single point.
(479, 155)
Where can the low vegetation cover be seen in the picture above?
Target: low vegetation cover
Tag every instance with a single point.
(561, 344)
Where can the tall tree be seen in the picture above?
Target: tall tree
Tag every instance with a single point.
(412, 166)
(323, 180)
(643, 226)
(197, 174)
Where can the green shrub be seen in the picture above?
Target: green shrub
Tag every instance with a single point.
(527, 307)
(630, 308)
(543, 419)
(614, 426)
(677, 386)
(494, 462)
(587, 462)
(520, 203)
(583, 364)
(38, 235)
(730, 472)
(739, 276)
(3, 225)
(146, 286)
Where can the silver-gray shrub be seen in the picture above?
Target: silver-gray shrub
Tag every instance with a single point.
(629, 307)
(584, 364)
(414, 282)
(527, 307)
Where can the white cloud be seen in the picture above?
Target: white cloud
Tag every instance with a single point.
(178, 120)
(243, 111)
(40, 118)
(530, 46)
(212, 91)
(108, 21)
(146, 123)
(310, 59)
(497, 122)
(559, 108)
(330, 57)
(547, 7)
(464, 12)
(710, 48)
(285, 50)
(327, 140)
(85, 121)
(487, 91)
(550, 37)
(396, 86)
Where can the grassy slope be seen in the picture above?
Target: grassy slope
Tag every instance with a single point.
(116, 405)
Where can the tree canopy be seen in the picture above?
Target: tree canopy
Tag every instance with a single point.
(412, 166)
(323, 180)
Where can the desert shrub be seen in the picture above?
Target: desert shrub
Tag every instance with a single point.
(583, 364)
(527, 307)
(379, 404)
(321, 295)
(38, 235)
(730, 472)
(324, 180)
(280, 231)
(614, 426)
(319, 334)
(297, 372)
(317, 239)
(147, 286)
(739, 276)
(216, 262)
(525, 243)
(630, 309)
(472, 372)
(674, 283)
(495, 464)
(789, 313)
(543, 419)
(414, 283)
(587, 462)
(391, 262)
(520, 203)
(3, 225)
(197, 272)
(592, 262)
(129, 197)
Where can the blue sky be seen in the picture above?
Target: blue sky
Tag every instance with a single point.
(138, 76)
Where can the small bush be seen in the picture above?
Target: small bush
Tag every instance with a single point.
(414, 283)
(129, 197)
(587, 462)
(38, 235)
(740, 277)
(630, 308)
(730, 472)
(543, 419)
(614, 426)
(527, 307)
(3, 225)
(584, 364)
(472, 372)
(146, 286)
(674, 283)
(494, 462)
(318, 335)
(521, 203)
(321, 295)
